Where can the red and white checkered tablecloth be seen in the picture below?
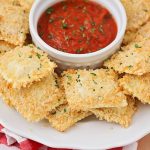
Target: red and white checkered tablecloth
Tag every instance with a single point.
(11, 141)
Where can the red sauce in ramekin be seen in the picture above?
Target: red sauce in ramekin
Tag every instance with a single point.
(77, 26)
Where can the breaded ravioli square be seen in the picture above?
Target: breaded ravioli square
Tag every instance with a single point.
(62, 118)
(13, 24)
(134, 59)
(5, 47)
(35, 102)
(138, 13)
(122, 116)
(24, 65)
(87, 89)
(137, 86)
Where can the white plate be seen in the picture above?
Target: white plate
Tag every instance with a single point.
(87, 134)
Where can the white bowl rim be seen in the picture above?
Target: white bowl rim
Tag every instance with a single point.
(69, 55)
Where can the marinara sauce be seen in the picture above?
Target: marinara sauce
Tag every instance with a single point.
(77, 26)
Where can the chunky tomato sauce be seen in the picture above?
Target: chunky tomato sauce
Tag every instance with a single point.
(77, 26)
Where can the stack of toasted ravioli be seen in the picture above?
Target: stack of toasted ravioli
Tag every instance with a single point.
(28, 82)
(133, 59)
(98, 91)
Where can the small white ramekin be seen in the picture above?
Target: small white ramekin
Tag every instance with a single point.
(90, 60)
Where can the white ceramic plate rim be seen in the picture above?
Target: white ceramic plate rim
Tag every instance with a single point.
(121, 142)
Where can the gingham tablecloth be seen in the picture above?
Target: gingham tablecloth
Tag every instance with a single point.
(11, 141)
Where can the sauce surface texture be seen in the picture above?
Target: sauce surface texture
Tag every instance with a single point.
(77, 26)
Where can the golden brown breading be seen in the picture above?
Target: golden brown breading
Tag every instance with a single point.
(137, 86)
(122, 116)
(138, 13)
(135, 59)
(24, 65)
(12, 2)
(5, 47)
(26, 4)
(93, 89)
(62, 118)
(13, 24)
(129, 37)
(143, 33)
(35, 102)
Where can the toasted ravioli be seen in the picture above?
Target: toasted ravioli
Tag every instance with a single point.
(134, 59)
(62, 118)
(24, 65)
(35, 102)
(92, 89)
(138, 13)
(13, 24)
(122, 116)
(5, 47)
(137, 86)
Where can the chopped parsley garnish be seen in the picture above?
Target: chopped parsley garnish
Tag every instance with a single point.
(30, 56)
(79, 50)
(51, 20)
(93, 23)
(130, 66)
(78, 79)
(64, 7)
(82, 28)
(65, 110)
(137, 46)
(93, 30)
(94, 82)
(93, 74)
(69, 77)
(57, 85)
(49, 10)
(64, 25)
(29, 76)
(38, 55)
